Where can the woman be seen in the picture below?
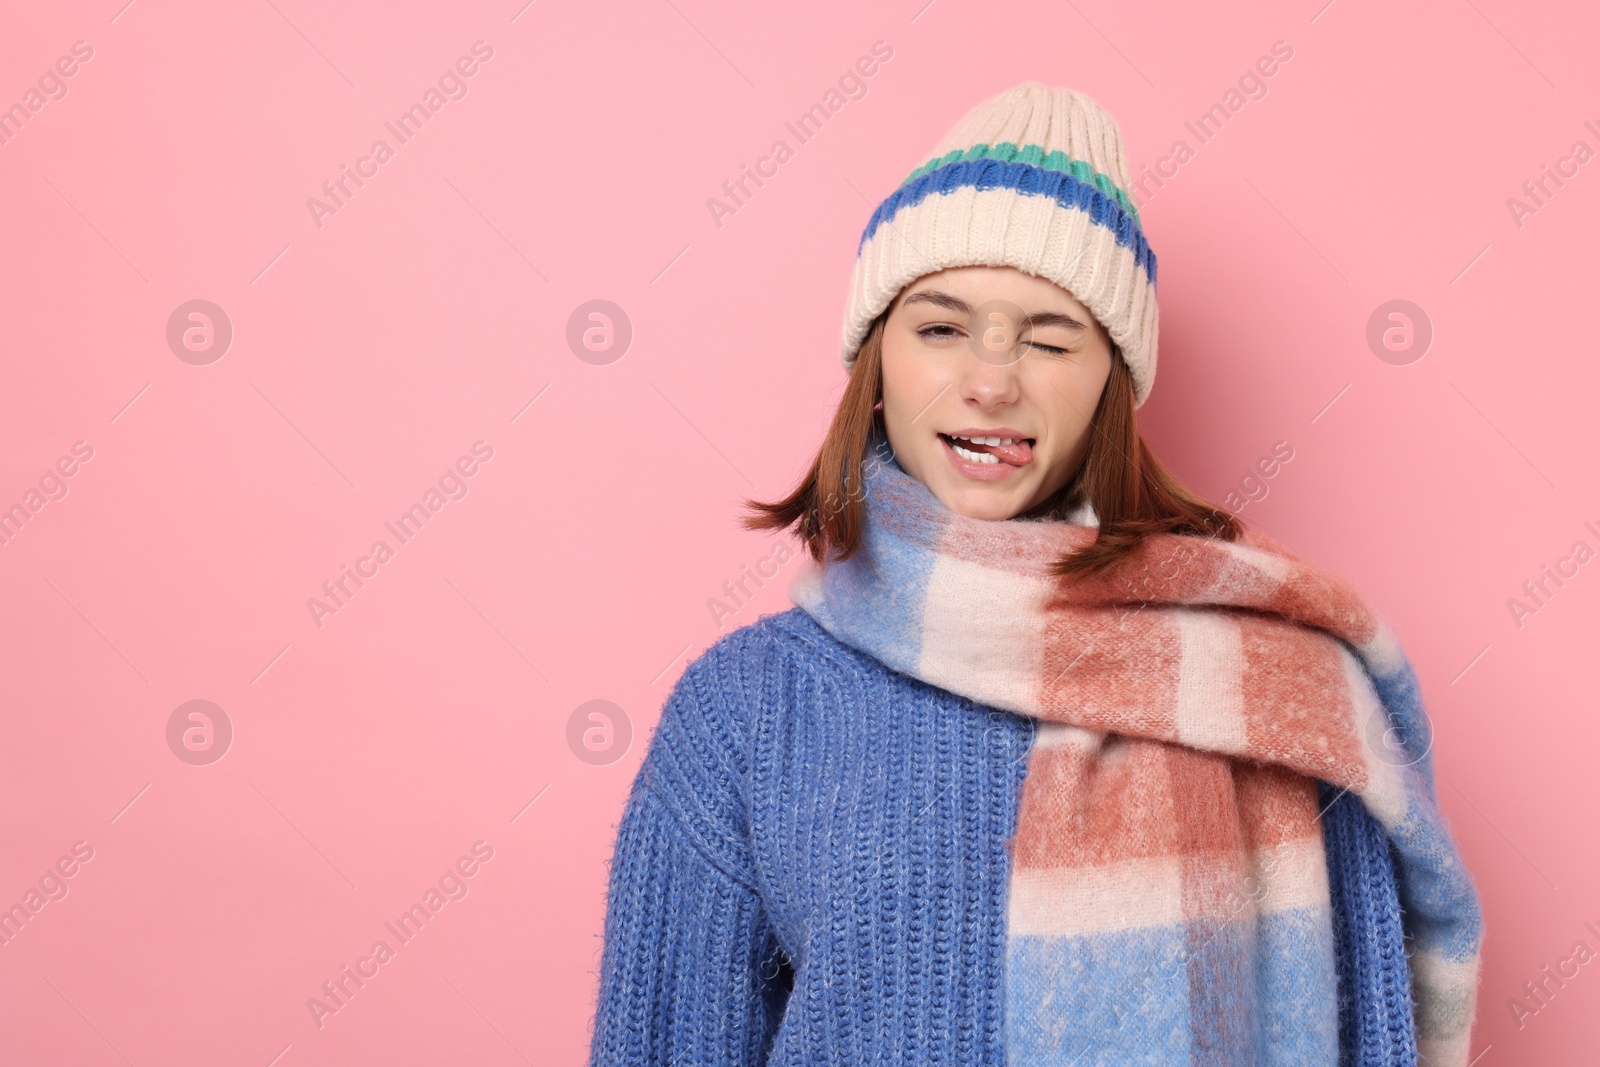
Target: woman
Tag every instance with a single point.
(1053, 762)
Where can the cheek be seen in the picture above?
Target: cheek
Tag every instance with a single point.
(903, 382)
(1067, 447)
(1069, 394)
(906, 379)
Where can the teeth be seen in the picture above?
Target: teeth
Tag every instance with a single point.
(975, 457)
(986, 440)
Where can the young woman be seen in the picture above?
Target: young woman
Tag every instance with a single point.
(1053, 762)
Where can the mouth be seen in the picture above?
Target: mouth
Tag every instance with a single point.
(992, 450)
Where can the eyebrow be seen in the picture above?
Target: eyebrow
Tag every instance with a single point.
(961, 307)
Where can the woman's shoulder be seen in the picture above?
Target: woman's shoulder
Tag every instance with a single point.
(754, 675)
(725, 689)
(775, 639)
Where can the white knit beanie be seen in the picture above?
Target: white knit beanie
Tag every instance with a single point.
(1034, 178)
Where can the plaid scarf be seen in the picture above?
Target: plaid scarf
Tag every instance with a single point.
(1169, 895)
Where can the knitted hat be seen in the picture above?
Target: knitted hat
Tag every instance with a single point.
(1034, 178)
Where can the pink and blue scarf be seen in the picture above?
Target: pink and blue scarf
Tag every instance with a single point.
(1169, 895)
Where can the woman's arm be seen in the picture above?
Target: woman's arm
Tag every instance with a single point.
(691, 974)
(1376, 1024)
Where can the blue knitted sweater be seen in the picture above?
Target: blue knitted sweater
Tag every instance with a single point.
(811, 869)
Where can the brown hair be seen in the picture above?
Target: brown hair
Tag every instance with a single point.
(1132, 494)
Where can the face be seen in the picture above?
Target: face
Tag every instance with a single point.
(991, 353)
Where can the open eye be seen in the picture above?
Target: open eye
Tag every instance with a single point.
(938, 331)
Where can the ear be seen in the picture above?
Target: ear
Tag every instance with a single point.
(878, 406)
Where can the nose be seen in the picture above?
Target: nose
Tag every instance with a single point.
(989, 374)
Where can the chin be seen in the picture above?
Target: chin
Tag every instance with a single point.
(992, 505)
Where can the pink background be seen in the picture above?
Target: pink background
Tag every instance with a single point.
(369, 354)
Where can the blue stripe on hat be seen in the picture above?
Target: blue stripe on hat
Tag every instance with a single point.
(1029, 180)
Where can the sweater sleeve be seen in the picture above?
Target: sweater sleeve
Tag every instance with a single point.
(691, 974)
(1376, 1025)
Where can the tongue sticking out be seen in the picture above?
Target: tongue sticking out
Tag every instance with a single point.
(1015, 454)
